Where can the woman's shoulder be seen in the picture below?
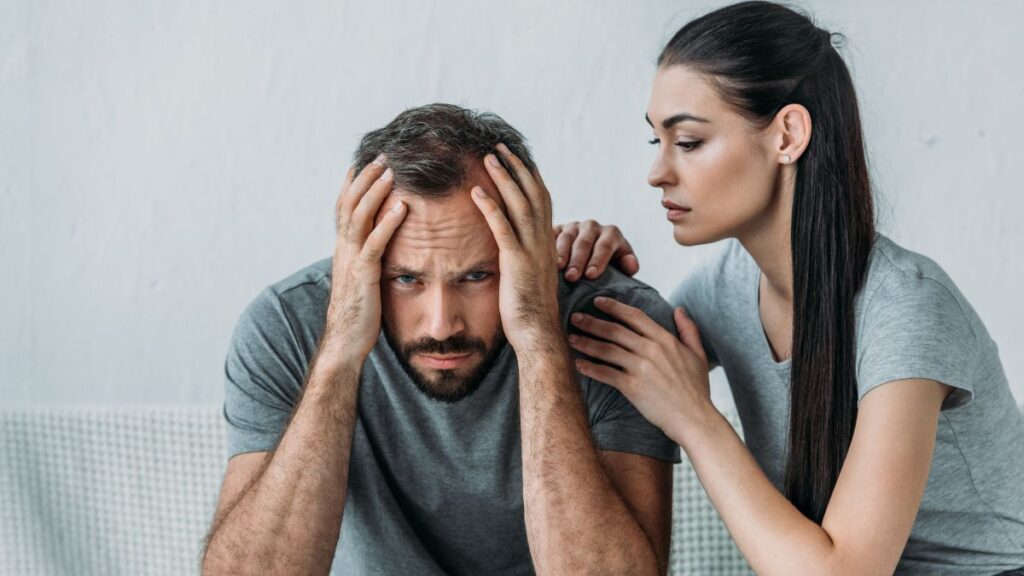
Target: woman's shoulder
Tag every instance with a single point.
(902, 281)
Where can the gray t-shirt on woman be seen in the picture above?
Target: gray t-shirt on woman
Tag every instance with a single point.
(911, 322)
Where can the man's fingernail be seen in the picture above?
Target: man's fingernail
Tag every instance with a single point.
(387, 174)
(398, 206)
(478, 192)
(493, 160)
(379, 160)
(501, 146)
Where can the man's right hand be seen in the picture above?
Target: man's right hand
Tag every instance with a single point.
(353, 315)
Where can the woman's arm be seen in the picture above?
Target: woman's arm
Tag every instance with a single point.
(872, 509)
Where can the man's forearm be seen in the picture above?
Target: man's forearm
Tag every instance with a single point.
(288, 521)
(576, 521)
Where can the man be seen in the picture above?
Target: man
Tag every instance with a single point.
(411, 407)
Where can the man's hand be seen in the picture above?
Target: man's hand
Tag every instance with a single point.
(353, 314)
(528, 290)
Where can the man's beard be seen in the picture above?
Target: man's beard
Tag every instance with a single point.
(449, 385)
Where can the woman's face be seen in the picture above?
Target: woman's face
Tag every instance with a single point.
(715, 169)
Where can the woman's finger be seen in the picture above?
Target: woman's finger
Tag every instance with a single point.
(604, 351)
(582, 249)
(566, 234)
(610, 244)
(689, 334)
(605, 374)
(606, 330)
(637, 320)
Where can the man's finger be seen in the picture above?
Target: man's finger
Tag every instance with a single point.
(341, 219)
(377, 241)
(369, 205)
(362, 182)
(534, 190)
(518, 206)
(504, 235)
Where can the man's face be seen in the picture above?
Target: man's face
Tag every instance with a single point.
(439, 290)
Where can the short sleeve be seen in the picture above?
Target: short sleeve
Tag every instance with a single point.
(263, 372)
(915, 328)
(615, 423)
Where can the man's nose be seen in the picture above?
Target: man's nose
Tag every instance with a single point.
(444, 316)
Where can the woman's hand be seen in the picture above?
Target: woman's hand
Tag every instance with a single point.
(664, 376)
(587, 248)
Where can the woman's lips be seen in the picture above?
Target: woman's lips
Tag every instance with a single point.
(446, 362)
(675, 211)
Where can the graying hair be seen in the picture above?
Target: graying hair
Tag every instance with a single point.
(430, 148)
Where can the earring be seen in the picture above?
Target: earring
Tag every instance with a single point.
(786, 159)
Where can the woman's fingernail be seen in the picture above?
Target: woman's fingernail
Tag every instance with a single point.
(577, 317)
(574, 339)
(572, 272)
(601, 300)
(592, 271)
(561, 260)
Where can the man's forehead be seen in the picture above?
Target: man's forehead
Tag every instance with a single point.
(447, 232)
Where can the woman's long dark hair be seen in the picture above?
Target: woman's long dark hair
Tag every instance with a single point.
(762, 56)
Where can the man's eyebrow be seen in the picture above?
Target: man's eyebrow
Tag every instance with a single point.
(401, 270)
(673, 120)
(485, 264)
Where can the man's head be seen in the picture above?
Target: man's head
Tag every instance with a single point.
(439, 283)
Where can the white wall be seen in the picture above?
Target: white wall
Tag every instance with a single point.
(161, 162)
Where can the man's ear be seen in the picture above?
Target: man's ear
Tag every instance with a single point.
(791, 130)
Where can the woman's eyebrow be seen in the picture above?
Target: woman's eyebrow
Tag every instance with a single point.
(676, 119)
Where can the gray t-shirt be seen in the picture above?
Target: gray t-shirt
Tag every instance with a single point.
(433, 487)
(911, 322)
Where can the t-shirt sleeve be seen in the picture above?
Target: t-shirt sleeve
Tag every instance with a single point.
(615, 424)
(915, 328)
(694, 296)
(263, 372)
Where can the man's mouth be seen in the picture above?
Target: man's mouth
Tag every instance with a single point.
(444, 361)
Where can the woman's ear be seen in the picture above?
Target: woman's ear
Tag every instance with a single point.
(792, 127)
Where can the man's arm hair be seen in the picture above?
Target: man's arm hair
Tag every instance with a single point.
(287, 517)
(576, 520)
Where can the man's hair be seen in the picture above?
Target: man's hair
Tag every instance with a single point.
(430, 148)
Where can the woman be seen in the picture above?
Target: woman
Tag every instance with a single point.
(905, 450)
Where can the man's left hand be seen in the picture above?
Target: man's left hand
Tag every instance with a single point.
(528, 289)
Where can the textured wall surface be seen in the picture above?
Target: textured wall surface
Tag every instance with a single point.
(161, 162)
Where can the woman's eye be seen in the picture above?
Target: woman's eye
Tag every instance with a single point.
(477, 276)
(405, 279)
(690, 145)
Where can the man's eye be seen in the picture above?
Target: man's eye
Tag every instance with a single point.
(477, 276)
(405, 279)
(690, 145)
